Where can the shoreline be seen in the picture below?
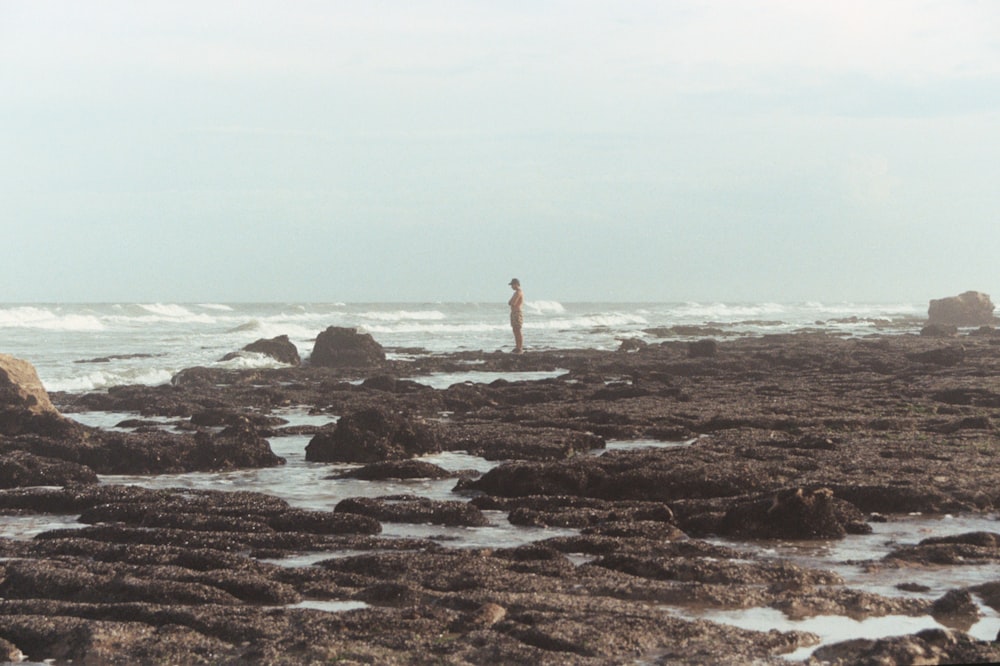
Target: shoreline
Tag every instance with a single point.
(796, 436)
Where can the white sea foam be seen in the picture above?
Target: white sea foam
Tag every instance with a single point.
(160, 312)
(544, 307)
(433, 328)
(45, 319)
(166, 309)
(216, 306)
(252, 325)
(103, 379)
(730, 311)
(245, 360)
(272, 329)
(589, 321)
(404, 315)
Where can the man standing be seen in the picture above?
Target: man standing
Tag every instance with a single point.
(516, 304)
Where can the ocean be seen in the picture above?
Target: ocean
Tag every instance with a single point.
(88, 346)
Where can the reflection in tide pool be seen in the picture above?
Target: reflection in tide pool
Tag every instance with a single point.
(844, 556)
(835, 628)
(329, 606)
(445, 379)
(634, 444)
(498, 534)
(301, 483)
(26, 527)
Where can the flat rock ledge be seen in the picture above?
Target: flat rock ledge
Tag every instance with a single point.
(803, 436)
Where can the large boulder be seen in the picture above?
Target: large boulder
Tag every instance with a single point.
(280, 349)
(969, 309)
(21, 468)
(339, 347)
(373, 435)
(24, 404)
(793, 514)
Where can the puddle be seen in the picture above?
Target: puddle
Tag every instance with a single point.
(26, 527)
(300, 416)
(834, 628)
(457, 461)
(110, 420)
(445, 379)
(844, 556)
(498, 534)
(636, 444)
(311, 558)
(329, 606)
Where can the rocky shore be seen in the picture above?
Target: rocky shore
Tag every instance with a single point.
(805, 436)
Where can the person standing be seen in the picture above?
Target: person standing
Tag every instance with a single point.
(516, 304)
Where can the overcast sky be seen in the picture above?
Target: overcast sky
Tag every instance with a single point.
(653, 150)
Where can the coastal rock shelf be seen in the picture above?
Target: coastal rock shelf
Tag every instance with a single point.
(677, 502)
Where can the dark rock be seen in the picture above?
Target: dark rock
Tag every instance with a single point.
(512, 441)
(339, 347)
(703, 348)
(236, 447)
(280, 349)
(962, 549)
(971, 308)
(957, 609)
(391, 384)
(791, 514)
(20, 468)
(931, 646)
(390, 594)
(482, 618)
(373, 435)
(939, 331)
(943, 356)
(986, 331)
(683, 331)
(323, 522)
(411, 509)
(630, 345)
(982, 539)
(397, 469)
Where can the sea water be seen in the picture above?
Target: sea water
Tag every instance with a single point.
(82, 347)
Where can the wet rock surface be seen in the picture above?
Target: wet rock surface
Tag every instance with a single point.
(803, 437)
(280, 349)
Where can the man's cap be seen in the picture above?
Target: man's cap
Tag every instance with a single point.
(514, 281)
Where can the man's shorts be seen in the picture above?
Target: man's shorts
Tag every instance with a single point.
(516, 319)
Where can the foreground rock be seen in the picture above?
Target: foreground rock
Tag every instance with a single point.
(639, 460)
(373, 435)
(24, 404)
(931, 646)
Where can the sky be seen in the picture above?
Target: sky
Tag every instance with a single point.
(400, 151)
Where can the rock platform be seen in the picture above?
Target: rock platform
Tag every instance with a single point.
(792, 437)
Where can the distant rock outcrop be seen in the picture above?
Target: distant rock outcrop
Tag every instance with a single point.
(339, 347)
(969, 309)
(280, 349)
